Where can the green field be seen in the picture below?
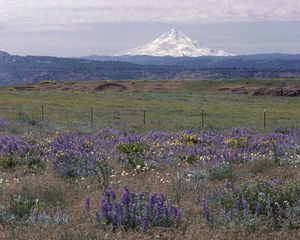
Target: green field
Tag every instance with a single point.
(176, 109)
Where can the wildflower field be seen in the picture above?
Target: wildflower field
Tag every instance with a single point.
(171, 178)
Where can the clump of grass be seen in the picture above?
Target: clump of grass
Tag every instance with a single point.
(191, 159)
(103, 171)
(22, 203)
(26, 118)
(236, 221)
(3, 123)
(36, 165)
(53, 197)
(221, 172)
(261, 166)
(25, 202)
(67, 235)
(8, 161)
(15, 128)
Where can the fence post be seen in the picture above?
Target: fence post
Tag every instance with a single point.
(42, 113)
(92, 116)
(144, 115)
(202, 117)
(265, 118)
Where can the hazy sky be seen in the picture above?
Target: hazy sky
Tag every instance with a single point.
(104, 27)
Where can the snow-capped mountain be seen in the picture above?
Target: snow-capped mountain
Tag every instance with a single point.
(176, 44)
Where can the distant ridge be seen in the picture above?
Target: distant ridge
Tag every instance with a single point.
(4, 54)
(169, 60)
(16, 69)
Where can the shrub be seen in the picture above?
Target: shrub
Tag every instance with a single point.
(132, 148)
(196, 175)
(73, 156)
(236, 221)
(135, 162)
(190, 139)
(33, 157)
(132, 154)
(240, 142)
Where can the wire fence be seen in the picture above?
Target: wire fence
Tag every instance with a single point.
(148, 118)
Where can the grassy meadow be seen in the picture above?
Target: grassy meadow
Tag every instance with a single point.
(65, 177)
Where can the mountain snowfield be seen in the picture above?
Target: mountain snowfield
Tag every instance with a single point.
(176, 44)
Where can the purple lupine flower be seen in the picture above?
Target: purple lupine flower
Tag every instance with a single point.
(238, 205)
(147, 210)
(158, 211)
(141, 196)
(167, 215)
(35, 215)
(88, 203)
(120, 212)
(161, 200)
(206, 213)
(113, 218)
(98, 217)
(246, 207)
(60, 217)
(134, 211)
(125, 197)
(105, 206)
(145, 224)
(152, 199)
(177, 214)
(232, 187)
(257, 208)
(133, 214)
(110, 194)
(227, 186)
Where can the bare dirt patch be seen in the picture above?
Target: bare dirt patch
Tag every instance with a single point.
(115, 87)
(25, 88)
(290, 90)
(163, 87)
(70, 87)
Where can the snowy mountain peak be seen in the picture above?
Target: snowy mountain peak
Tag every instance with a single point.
(172, 35)
(175, 43)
